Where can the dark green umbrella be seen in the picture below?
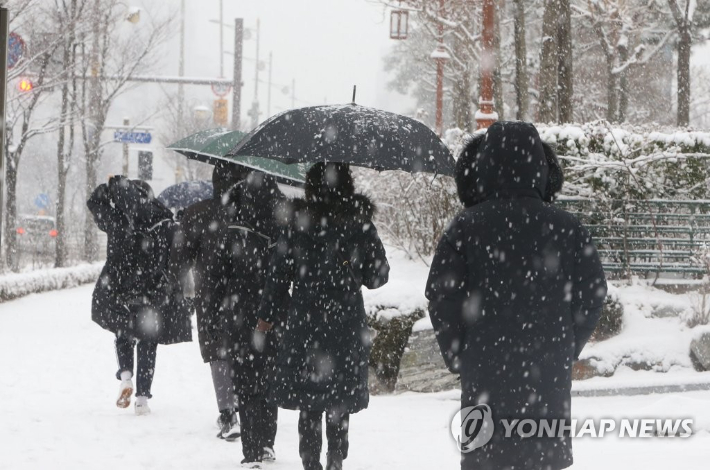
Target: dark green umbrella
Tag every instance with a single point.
(211, 146)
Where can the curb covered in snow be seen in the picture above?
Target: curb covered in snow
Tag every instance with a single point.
(16, 285)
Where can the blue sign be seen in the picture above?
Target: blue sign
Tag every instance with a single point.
(42, 201)
(127, 137)
(15, 49)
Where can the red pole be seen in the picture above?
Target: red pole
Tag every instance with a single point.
(486, 115)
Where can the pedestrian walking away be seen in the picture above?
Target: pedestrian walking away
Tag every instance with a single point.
(516, 288)
(189, 254)
(329, 249)
(244, 239)
(135, 298)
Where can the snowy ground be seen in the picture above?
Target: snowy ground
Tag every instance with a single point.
(57, 410)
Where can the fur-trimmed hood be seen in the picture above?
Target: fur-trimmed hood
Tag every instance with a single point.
(321, 220)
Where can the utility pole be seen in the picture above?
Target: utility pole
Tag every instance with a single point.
(255, 104)
(486, 115)
(221, 39)
(237, 77)
(181, 67)
(126, 124)
(4, 33)
(268, 96)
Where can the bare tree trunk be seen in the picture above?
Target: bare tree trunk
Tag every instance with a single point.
(623, 88)
(521, 65)
(611, 89)
(547, 111)
(684, 45)
(11, 251)
(93, 140)
(565, 78)
(462, 91)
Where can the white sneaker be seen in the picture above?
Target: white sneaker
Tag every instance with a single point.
(142, 407)
(125, 391)
(269, 455)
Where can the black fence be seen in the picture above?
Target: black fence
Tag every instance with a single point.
(643, 237)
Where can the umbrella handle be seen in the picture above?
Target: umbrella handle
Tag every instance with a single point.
(354, 92)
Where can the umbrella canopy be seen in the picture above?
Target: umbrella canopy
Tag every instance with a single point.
(211, 146)
(352, 134)
(181, 195)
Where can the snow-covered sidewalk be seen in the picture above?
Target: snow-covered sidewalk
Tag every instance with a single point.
(57, 410)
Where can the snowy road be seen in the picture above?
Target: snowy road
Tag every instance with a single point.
(57, 410)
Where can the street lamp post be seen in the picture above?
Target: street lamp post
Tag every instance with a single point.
(486, 114)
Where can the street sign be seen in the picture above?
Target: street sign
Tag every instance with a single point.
(220, 112)
(42, 201)
(15, 49)
(221, 89)
(128, 137)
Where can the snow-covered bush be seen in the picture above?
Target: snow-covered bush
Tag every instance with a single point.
(413, 210)
(13, 286)
(631, 162)
(611, 320)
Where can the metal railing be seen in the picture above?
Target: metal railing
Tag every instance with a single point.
(641, 237)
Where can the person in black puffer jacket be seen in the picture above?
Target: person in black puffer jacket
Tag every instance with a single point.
(515, 290)
(329, 250)
(135, 298)
(243, 241)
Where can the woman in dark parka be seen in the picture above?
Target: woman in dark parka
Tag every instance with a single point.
(516, 288)
(330, 248)
(134, 297)
(236, 274)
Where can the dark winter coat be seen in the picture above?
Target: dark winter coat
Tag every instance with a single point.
(328, 251)
(515, 288)
(134, 296)
(238, 269)
(192, 248)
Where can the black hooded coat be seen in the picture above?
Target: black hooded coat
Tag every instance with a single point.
(193, 246)
(328, 251)
(238, 268)
(516, 289)
(135, 296)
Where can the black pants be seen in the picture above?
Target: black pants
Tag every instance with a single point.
(310, 436)
(258, 425)
(146, 362)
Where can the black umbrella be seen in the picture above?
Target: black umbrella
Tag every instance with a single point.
(352, 134)
(181, 195)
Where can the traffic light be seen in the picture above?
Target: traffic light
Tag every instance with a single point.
(145, 165)
(25, 85)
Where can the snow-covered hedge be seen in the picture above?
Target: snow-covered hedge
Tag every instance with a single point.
(622, 162)
(15, 285)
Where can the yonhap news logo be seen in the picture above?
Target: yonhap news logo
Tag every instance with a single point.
(472, 427)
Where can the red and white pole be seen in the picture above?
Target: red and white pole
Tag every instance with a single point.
(486, 115)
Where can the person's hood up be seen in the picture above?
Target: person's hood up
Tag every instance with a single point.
(511, 162)
(330, 221)
(224, 177)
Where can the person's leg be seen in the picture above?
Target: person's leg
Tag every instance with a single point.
(310, 439)
(124, 356)
(270, 415)
(146, 368)
(336, 430)
(223, 387)
(249, 411)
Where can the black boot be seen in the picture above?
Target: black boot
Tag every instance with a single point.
(335, 461)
